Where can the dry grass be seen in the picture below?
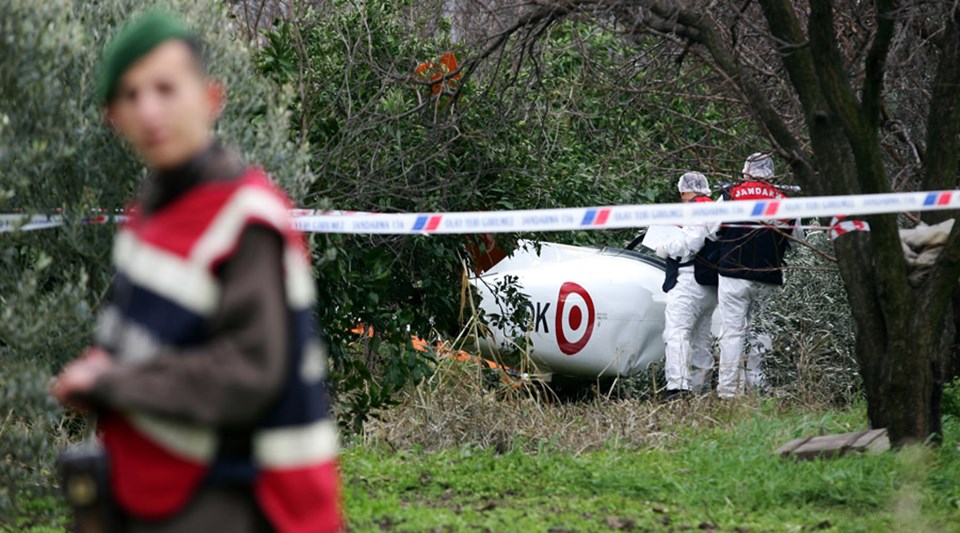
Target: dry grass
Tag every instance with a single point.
(459, 406)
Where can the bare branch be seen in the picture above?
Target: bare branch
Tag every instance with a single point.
(943, 123)
(872, 92)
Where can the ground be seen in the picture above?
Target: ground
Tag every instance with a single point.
(721, 476)
(724, 479)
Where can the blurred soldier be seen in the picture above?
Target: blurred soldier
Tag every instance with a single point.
(207, 372)
(691, 287)
(750, 265)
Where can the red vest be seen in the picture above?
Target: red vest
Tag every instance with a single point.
(165, 292)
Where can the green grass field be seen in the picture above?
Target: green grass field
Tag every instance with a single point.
(720, 477)
(723, 479)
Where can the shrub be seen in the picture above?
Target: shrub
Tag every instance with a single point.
(950, 405)
(811, 326)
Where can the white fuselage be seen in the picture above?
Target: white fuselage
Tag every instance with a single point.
(593, 312)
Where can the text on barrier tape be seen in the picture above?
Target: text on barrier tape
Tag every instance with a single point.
(17, 222)
(627, 216)
(578, 218)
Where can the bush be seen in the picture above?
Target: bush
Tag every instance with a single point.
(811, 326)
(950, 405)
(30, 434)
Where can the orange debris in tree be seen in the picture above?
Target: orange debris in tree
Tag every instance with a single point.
(444, 350)
(439, 73)
(441, 349)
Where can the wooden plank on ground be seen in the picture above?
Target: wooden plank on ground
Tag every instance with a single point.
(837, 445)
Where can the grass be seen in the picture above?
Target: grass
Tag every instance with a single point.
(42, 514)
(718, 474)
(724, 477)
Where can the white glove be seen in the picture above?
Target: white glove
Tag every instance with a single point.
(662, 251)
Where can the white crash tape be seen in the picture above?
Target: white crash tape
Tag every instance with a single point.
(28, 222)
(628, 216)
(24, 222)
(841, 226)
(16, 222)
(588, 218)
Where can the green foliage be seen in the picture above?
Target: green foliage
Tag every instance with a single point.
(724, 478)
(950, 404)
(811, 326)
(31, 431)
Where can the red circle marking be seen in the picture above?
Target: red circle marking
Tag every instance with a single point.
(576, 316)
(568, 346)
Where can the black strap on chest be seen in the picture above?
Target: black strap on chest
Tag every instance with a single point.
(673, 273)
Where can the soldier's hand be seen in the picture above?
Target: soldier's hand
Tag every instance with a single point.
(79, 377)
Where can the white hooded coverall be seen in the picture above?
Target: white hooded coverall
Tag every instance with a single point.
(688, 316)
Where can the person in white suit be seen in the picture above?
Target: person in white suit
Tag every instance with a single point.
(691, 287)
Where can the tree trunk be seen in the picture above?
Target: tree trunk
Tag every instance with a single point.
(903, 381)
(901, 350)
(952, 365)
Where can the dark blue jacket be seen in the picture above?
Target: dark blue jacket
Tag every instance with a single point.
(754, 251)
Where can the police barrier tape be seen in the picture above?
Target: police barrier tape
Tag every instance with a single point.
(586, 218)
(628, 216)
(17, 222)
(9, 222)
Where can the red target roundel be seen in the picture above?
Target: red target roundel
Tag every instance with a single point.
(575, 318)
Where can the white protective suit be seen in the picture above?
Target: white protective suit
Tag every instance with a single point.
(689, 311)
(740, 370)
(741, 349)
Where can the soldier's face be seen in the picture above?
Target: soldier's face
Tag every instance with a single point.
(687, 196)
(165, 106)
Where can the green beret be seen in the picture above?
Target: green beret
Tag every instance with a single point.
(135, 40)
